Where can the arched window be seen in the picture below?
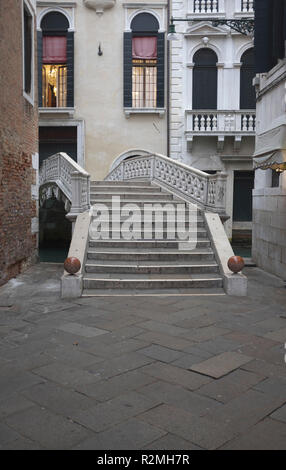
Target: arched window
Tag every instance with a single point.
(144, 63)
(55, 61)
(247, 73)
(205, 79)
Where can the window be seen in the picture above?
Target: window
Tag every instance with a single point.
(144, 64)
(247, 73)
(205, 79)
(55, 58)
(27, 52)
(144, 72)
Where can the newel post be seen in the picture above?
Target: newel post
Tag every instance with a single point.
(220, 196)
(77, 189)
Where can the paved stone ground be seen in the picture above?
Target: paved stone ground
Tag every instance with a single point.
(141, 372)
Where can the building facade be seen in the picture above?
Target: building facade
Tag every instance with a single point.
(18, 138)
(212, 100)
(102, 75)
(269, 195)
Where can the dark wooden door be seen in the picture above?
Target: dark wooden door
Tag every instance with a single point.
(242, 196)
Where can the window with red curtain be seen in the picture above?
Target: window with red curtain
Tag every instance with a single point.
(144, 47)
(54, 49)
(144, 72)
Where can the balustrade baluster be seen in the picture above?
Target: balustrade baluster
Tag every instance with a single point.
(214, 123)
(208, 128)
(244, 5)
(250, 123)
(196, 6)
(208, 6)
(244, 123)
(196, 123)
(203, 123)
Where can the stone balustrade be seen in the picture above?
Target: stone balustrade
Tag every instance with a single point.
(60, 172)
(207, 191)
(221, 122)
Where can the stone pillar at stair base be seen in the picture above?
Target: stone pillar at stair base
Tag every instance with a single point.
(71, 286)
(235, 284)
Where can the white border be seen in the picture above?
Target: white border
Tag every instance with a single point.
(59, 9)
(80, 124)
(29, 97)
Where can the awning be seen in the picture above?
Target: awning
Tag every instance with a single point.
(273, 160)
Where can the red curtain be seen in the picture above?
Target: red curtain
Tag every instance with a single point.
(54, 49)
(144, 47)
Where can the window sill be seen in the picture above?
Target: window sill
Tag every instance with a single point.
(159, 111)
(57, 111)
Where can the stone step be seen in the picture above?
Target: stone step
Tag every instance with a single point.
(167, 268)
(133, 182)
(163, 200)
(104, 189)
(193, 292)
(141, 281)
(147, 255)
(140, 234)
(142, 196)
(143, 244)
(181, 213)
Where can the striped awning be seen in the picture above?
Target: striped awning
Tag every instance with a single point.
(274, 160)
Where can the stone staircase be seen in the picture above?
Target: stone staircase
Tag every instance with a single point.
(153, 266)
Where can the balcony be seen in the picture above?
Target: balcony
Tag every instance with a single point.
(244, 8)
(221, 124)
(203, 8)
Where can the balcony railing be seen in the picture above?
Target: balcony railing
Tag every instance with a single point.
(247, 6)
(220, 122)
(205, 7)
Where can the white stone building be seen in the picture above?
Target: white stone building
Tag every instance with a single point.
(269, 195)
(212, 101)
(98, 99)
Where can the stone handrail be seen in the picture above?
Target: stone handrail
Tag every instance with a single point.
(71, 179)
(207, 191)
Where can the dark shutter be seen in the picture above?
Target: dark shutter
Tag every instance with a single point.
(247, 73)
(28, 51)
(160, 70)
(70, 70)
(127, 70)
(263, 39)
(205, 80)
(40, 64)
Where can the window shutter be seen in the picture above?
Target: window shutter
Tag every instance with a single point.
(70, 69)
(127, 70)
(40, 64)
(161, 70)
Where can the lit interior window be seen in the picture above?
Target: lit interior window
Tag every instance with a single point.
(54, 85)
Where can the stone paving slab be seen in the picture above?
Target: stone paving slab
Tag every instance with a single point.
(175, 375)
(48, 429)
(222, 364)
(132, 434)
(172, 442)
(200, 431)
(280, 414)
(267, 435)
(171, 394)
(112, 412)
(82, 330)
(132, 386)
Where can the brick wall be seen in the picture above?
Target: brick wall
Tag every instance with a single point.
(18, 151)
